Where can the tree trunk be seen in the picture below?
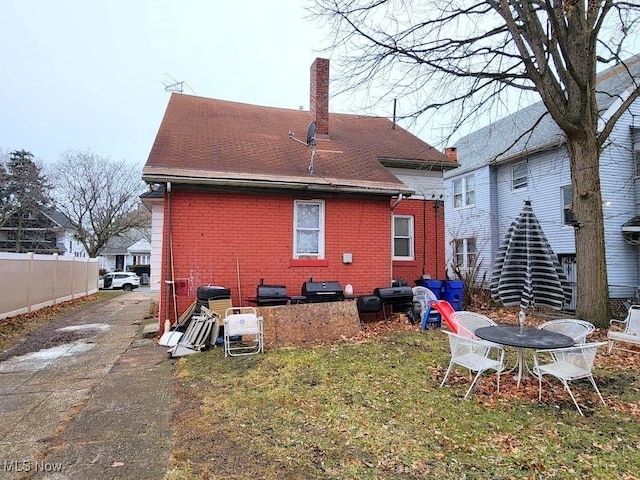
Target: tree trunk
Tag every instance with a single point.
(593, 291)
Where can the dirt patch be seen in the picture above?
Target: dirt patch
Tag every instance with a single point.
(41, 341)
(38, 330)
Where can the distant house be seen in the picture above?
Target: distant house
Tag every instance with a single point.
(47, 232)
(501, 166)
(244, 201)
(123, 251)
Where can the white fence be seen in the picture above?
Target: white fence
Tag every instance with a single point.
(30, 281)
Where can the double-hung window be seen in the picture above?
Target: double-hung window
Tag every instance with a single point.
(464, 192)
(567, 206)
(403, 237)
(519, 176)
(308, 239)
(465, 253)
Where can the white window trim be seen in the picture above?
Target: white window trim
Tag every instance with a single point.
(411, 256)
(465, 253)
(320, 254)
(465, 202)
(563, 206)
(513, 169)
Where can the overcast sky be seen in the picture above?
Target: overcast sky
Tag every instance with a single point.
(84, 74)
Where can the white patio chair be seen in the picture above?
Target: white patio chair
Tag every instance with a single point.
(571, 327)
(421, 298)
(469, 322)
(243, 333)
(631, 333)
(475, 355)
(571, 363)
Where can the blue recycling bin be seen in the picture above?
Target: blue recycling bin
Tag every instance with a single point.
(452, 292)
(434, 285)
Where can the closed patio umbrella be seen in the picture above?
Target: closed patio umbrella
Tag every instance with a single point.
(526, 271)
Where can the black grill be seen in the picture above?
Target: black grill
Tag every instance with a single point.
(271, 295)
(315, 292)
(395, 295)
(399, 298)
(369, 304)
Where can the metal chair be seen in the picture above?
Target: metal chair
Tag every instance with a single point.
(243, 334)
(475, 355)
(631, 333)
(469, 322)
(571, 327)
(571, 363)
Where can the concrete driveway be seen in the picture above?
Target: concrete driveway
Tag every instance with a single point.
(94, 403)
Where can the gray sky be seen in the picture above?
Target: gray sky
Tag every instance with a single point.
(89, 74)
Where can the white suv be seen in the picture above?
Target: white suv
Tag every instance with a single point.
(127, 281)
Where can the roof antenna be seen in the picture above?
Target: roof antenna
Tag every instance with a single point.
(310, 143)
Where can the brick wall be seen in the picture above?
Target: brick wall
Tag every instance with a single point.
(218, 237)
(429, 257)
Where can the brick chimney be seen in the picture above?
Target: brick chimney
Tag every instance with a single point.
(451, 153)
(319, 93)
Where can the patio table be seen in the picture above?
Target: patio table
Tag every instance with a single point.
(523, 338)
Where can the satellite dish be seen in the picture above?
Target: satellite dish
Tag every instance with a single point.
(311, 134)
(311, 142)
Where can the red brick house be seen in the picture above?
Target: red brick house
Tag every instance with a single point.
(241, 202)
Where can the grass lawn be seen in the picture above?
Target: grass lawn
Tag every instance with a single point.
(372, 408)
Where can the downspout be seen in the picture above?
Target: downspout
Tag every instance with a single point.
(393, 207)
(168, 285)
(436, 207)
(438, 216)
(424, 237)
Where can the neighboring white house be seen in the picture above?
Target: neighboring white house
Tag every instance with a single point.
(66, 235)
(47, 232)
(499, 171)
(131, 248)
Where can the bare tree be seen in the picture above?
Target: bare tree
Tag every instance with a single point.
(99, 197)
(469, 54)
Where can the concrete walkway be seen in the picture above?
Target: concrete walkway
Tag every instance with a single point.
(95, 406)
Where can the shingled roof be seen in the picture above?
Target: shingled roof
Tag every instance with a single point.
(216, 142)
(505, 140)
